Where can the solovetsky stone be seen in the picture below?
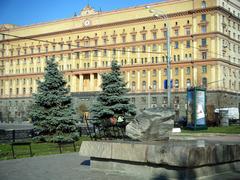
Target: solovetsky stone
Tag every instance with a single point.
(151, 124)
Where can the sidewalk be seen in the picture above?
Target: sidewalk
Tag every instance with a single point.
(212, 137)
(69, 166)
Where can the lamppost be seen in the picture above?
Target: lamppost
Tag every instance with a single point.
(149, 96)
(160, 13)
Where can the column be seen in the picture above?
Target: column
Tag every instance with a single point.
(194, 75)
(182, 50)
(195, 50)
(182, 78)
(73, 83)
(81, 82)
(148, 54)
(128, 79)
(213, 48)
(212, 23)
(91, 82)
(148, 79)
(194, 24)
(99, 82)
(138, 55)
(160, 79)
(213, 77)
(138, 81)
(220, 77)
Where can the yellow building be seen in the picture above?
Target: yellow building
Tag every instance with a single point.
(205, 51)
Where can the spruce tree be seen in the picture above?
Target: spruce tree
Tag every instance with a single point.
(112, 100)
(52, 112)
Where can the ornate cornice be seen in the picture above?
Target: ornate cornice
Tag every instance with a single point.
(172, 15)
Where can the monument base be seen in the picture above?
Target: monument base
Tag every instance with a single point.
(164, 159)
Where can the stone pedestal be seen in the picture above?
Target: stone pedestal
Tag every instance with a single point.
(169, 159)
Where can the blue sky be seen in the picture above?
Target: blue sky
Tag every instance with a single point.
(25, 12)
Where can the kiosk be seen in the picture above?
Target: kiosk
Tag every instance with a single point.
(196, 108)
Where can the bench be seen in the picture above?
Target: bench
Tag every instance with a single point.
(61, 144)
(21, 144)
(21, 141)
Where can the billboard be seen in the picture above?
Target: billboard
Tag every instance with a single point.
(196, 108)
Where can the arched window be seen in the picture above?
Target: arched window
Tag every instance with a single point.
(204, 5)
(176, 83)
(144, 86)
(188, 83)
(204, 82)
(31, 90)
(154, 85)
(133, 86)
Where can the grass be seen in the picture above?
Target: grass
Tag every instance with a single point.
(234, 129)
(38, 149)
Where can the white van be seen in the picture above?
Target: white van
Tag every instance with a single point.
(229, 113)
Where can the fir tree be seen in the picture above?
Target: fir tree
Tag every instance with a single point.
(112, 100)
(52, 113)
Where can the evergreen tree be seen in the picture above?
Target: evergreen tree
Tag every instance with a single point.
(52, 113)
(112, 100)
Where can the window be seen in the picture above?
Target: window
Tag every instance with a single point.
(134, 38)
(176, 83)
(176, 45)
(95, 54)
(165, 34)
(176, 71)
(134, 49)
(204, 5)
(187, 31)
(124, 39)
(87, 54)
(144, 48)
(203, 17)
(188, 44)
(154, 100)
(203, 29)
(154, 73)
(154, 35)
(114, 40)
(144, 73)
(176, 32)
(154, 47)
(144, 86)
(154, 85)
(204, 55)
(204, 69)
(133, 73)
(144, 100)
(204, 82)
(133, 86)
(188, 83)
(104, 52)
(24, 90)
(204, 42)
(188, 71)
(144, 37)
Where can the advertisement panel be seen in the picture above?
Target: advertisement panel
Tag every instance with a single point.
(190, 118)
(196, 108)
(200, 108)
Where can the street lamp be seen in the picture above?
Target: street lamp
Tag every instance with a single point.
(160, 13)
(149, 96)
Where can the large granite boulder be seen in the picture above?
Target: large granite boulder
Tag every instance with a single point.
(151, 124)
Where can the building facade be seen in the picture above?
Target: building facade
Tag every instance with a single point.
(205, 51)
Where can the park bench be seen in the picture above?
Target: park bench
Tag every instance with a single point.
(20, 138)
(64, 143)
